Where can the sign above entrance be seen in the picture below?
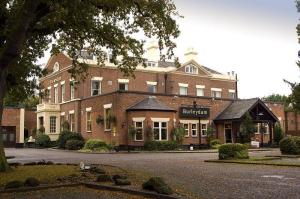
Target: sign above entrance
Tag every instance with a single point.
(193, 112)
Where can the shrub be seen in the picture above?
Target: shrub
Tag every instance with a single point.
(157, 184)
(13, 184)
(41, 129)
(233, 151)
(160, 145)
(64, 136)
(290, 145)
(120, 181)
(74, 144)
(93, 144)
(178, 134)
(32, 182)
(117, 176)
(214, 142)
(277, 133)
(42, 140)
(103, 178)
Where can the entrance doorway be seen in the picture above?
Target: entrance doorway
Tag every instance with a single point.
(228, 132)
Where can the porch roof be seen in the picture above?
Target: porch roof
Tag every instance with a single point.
(237, 109)
(151, 104)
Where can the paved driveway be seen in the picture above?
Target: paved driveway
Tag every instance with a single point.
(188, 170)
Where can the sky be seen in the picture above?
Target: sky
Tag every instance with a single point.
(255, 38)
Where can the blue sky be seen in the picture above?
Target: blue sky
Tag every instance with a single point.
(255, 38)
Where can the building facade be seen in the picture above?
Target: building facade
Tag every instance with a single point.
(160, 98)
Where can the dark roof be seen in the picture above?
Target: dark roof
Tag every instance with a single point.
(150, 103)
(165, 64)
(211, 70)
(237, 109)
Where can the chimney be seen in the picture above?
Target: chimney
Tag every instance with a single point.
(190, 54)
(152, 53)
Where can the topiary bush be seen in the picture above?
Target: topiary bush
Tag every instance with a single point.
(13, 184)
(32, 182)
(160, 145)
(74, 144)
(157, 184)
(233, 151)
(290, 145)
(42, 140)
(95, 144)
(64, 136)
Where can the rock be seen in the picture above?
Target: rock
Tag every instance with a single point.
(13, 184)
(120, 181)
(157, 184)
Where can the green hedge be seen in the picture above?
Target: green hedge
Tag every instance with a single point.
(74, 144)
(64, 136)
(290, 145)
(93, 144)
(233, 151)
(160, 145)
(215, 142)
(42, 140)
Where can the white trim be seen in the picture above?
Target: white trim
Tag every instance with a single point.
(89, 109)
(183, 85)
(49, 88)
(97, 78)
(151, 83)
(160, 119)
(142, 131)
(138, 119)
(71, 112)
(204, 121)
(231, 90)
(216, 89)
(188, 129)
(72, 79)
(197, 127)
(55, 85)
(105, 106)
(123, 80)
(189, 121)
(62, 113)
(200, 86)
(62, 82)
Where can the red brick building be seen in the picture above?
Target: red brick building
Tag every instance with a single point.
(17, 125)
(160, 97)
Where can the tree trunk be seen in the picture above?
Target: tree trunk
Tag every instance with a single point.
(3, 162)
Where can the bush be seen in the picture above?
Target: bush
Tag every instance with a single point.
(32, 182)
(64, 136)
(277, 133)
(157, 184)
(103, 178)
(120, 181)
(160, 145)
(93, 144)
(42, 140)
(214, 142)
(74, 144)
(233, 151)
(290, 145)
(13, 184)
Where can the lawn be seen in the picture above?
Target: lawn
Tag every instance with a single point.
(44, 173)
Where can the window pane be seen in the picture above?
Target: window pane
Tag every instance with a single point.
(164, 124)
(139, 134)
(163, 134)
(152, 88)
(186, 127)
(11, 137)
(4, 137)
(156, 134)
(200, 92)
(123, 86)
(138, 125)
(156, 124)
(183, 90)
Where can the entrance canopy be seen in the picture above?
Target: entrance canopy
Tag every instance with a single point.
(236, 111)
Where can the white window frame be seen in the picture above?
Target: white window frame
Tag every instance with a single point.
(53, 124)
(181, 86)
(99, 89)
(72, 120)
(88, 122)
(196, 129)
(198, 91)
(63, 91)
(72, 90)
(206, 125)
(142, 128)
(214, 92)
(159, 129)
(186, 130)
(231, 93)
(55, 94)
(105, 107)
(191, 69)
(126, 86)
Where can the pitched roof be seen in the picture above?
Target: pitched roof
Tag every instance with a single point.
(211, 70)
(237, 109)
(150, 103)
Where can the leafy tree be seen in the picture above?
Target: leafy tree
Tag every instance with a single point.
(30, 102)
(278, 135)
(294, 98)
(276, 98)
(28, 28)
(247, 128)
(178, 134)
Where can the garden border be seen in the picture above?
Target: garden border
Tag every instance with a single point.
(252, 162)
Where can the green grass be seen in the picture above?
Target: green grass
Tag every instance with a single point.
(44, 173)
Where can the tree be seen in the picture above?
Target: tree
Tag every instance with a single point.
(247, 128)
(276, 98)
(294, 98)
(28, 28)
(278, 133)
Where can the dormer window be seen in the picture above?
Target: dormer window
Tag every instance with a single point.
(151, 64)
(191, 69)
(56, 67)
